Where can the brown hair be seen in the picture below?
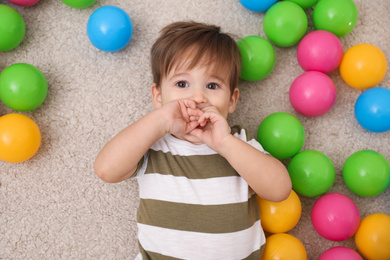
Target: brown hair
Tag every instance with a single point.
(201, 44)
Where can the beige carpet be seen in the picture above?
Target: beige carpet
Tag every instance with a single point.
(54, 207)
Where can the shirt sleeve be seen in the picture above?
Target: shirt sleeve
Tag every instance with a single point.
(243, 134)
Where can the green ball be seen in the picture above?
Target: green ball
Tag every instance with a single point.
(258, 57)
(336, 16)
(12, 28)
(23, 87)
(366, 173)
(281, 134)
(305, 4)
(285, 23)
(79, 3)
(312, 173)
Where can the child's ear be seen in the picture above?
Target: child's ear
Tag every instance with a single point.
(233, 100)
(156, 95)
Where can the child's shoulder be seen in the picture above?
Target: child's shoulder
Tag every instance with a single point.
(241, 132)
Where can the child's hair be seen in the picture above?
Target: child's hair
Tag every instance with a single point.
(190, 44)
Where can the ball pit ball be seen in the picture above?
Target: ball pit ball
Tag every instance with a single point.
(258, 57)
(373, 236)
(280, 217)
(367, 173)
(258, 6)
(305, 4)
(372, 109)
(285, 23)
(109, 28)
(363, 66)
(284, 246)
(20, 138)
(336, 16)
(320, 51)
(22, 93)
(24, 2)
(12, 28)
(79, 3)
(281, 134)
(312, 94)
(340, 252)
(335, 217)
(312, 173)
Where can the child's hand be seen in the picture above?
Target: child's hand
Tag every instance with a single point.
(180, 117)
(213, 128)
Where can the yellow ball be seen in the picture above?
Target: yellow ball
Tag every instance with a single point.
(373, 237)
(280, 217)
(363, 66)
(283, 246)
(20, 138)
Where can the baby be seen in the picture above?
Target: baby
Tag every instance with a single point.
(198, 177)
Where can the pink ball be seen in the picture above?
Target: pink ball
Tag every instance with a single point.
(23, 2)
(335, 217)
(312, 94)
(320, 51)
(340, 252)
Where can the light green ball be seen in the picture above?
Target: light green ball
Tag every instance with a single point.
(79, 3)
(12, 28)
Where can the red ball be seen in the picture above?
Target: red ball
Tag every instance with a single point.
(320, 51)
(23, 2)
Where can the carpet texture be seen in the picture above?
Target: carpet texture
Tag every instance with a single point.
(53, 206)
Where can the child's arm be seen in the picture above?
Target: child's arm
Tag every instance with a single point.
(118, 159)
(266, 175)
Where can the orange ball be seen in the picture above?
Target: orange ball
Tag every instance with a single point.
(373, 236)
(279, 217)
(283, 246)
(363, 66)
(20, 138)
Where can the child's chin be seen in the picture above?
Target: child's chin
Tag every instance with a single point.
(193, 139)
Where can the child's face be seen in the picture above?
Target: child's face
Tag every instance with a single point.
(199, 84)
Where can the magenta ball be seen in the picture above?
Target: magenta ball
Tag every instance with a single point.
(335, 217)
(340, 252)
(312, 94)
(320, 51)
(23, 2)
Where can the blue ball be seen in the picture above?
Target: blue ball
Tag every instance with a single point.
(258, 5)
(109, 28)
(372, 109)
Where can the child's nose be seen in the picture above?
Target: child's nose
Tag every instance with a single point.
(199, 96)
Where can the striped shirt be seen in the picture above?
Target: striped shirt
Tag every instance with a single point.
(194, 205)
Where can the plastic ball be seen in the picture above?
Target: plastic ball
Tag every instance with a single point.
(373, 237)
(12, 28)
(22, 93)
(336, 16)
(320, 51)
(258, 57)
(281, 134)
(372, 109)
(312, 173)
(340, 252)
(284, 246)
(366, 173)
(312, 94)
(305, 4)
(363, 66)
(79, 3)
(258, 6)
(20, 138)
(335, 217)
(285, 23)
(109, 28)
(280, 217)
(23, 2)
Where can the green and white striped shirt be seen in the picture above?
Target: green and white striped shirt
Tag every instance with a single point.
(194, 205)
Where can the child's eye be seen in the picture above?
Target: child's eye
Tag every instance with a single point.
(212, 86)
(182, 84)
